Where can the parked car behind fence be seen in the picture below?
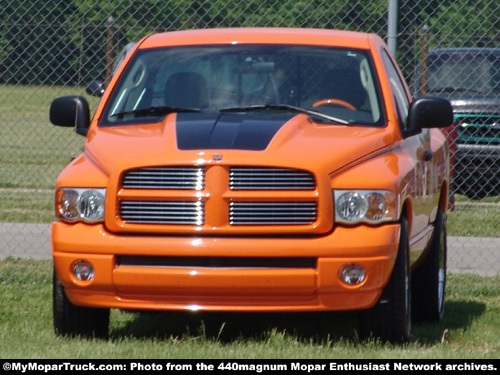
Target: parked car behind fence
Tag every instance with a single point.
(470, 79)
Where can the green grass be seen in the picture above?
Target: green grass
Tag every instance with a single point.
(474, 218)
(22, 205)
(32, 151)
(470, 328)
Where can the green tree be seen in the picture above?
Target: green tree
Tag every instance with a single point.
(33, 47)
(466, 23)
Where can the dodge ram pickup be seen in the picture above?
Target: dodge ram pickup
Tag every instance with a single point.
(252, 170)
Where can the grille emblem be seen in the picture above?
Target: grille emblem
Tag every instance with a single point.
(217, 157)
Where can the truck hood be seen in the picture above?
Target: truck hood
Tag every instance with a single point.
(250, 138)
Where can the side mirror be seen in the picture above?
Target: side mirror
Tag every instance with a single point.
(95, 88)
(71, 111)
(429, 112)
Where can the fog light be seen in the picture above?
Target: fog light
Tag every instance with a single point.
(352, 274)
(82, 270)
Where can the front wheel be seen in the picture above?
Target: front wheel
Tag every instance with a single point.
(72, 320)
(429, 279)
(390, 318)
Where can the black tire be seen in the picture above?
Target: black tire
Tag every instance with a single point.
(429, 279)
(72, 320)
(390, 319)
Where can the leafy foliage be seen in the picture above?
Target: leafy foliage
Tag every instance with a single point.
(66, 42)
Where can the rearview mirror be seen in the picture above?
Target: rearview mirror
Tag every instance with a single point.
(71, 111)
(95, 88)
(429, 112)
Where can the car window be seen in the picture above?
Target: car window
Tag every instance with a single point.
(333, 81)
(460, 71)
(398, 89)
(121, 56)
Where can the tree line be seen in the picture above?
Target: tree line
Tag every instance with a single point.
(65, 42)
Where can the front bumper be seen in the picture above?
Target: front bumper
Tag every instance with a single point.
(145, 281)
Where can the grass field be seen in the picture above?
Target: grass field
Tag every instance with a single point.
(32, 151)
(470, 329)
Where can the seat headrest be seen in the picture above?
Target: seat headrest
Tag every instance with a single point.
(186, 90)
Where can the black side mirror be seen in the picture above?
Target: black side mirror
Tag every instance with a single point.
(429, 112)
(71, 111)
(95, 88)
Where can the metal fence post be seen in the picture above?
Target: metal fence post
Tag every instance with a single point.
(109, 48)
(392, 26)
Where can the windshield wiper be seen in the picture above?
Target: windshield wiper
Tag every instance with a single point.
(159, 111)
(285, 107)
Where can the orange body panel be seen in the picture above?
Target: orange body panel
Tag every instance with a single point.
(135, 262)
(163, 287)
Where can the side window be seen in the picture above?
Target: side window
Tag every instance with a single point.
(397, 89)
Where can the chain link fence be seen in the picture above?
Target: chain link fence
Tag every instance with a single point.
(50, 48)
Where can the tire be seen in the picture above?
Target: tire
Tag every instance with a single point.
(429, 279)
(390, 319)
(72, 320)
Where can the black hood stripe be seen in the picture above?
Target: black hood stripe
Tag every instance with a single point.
(236, 131)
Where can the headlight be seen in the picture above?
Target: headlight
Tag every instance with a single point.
(80, 204)
(370, 206)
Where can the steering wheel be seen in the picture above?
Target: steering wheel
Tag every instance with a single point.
(339, 102)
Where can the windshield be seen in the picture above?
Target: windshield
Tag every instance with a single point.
(336, 83)
(462, 72)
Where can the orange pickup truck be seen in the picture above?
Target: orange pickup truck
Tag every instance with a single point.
(258, 169)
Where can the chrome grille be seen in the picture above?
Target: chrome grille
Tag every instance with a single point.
(161, 212)
(478, 128)
(168, 178)
(272, 213)
(256, 178)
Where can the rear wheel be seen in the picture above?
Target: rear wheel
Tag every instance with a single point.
(429, 279)
(72, 320)
(390, 318)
